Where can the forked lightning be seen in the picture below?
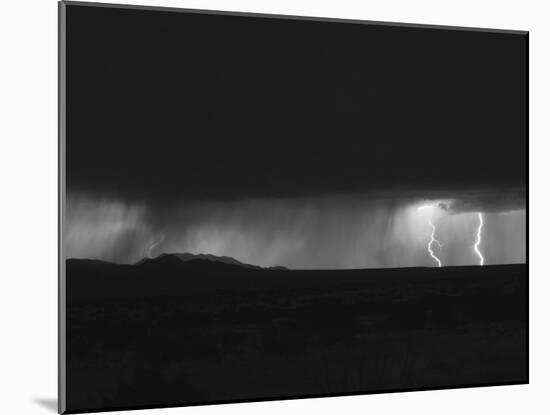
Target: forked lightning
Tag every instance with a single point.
(432, 236)
(478, 239)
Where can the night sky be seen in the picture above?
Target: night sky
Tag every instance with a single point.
(290, 142)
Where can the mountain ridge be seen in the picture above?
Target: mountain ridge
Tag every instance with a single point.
(186, 257)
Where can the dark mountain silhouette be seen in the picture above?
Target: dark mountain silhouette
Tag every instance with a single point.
(186, 257)
(191, 328)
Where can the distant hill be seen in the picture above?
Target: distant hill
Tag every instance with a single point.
(166, 274)
(186, 257)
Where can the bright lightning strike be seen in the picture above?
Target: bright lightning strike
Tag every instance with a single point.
(153, 245)
(432, 241)
(432, 236)
(478, 240)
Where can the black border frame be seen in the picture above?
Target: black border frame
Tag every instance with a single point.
(62, 352)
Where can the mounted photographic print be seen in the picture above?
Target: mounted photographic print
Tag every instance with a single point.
(259, 207)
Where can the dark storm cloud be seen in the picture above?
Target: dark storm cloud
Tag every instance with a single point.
(489, 200)
(168, 107)
(495, 199)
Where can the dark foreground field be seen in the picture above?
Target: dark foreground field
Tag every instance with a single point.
(172, 332)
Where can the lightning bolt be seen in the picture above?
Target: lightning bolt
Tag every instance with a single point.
(432, 241)
(153, 245)
(432, 236)
(478, 239)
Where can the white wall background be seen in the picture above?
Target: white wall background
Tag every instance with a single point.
(28, 208)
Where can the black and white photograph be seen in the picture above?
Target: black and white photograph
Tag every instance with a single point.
(259, 207)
